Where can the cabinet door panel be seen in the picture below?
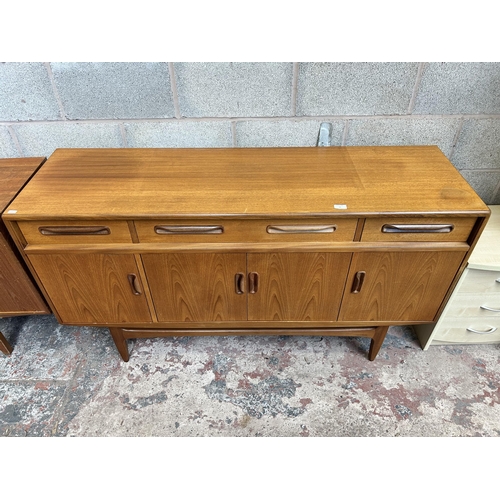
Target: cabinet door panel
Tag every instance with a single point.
(196, 287)
(297, 286)
(93, 288)
(398, 286)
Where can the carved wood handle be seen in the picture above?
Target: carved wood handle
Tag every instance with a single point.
(189, 229)
(74, 230)
(253, 282)
(134, 284)
(301, 228)
(359, 278)
(239, 283)
(417, 228)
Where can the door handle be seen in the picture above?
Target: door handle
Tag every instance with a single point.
(359, 278)
(134, 284)
(239, 283)
(253, 282)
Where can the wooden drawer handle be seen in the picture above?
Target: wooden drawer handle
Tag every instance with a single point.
(134, 284)
(74, 230)
(300, 228)
(490, 309)
(253, 282)
(189, 229)
(491, 330)
(359, 278)
(417, 228)
(239, 283)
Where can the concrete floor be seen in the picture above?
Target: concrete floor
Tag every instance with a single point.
(70, 381)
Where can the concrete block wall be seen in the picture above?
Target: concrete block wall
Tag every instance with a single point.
(455, 106)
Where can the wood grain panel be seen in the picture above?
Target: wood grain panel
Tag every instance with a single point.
(399, 286)
(297, 286)
(92, 288)
(196, 287)
(118, 232)
(281, 182)
(462, 226)
(18, 294)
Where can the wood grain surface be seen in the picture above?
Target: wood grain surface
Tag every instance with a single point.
(125, 183)
(297, 286)
(196, 287)
(399, 286)
(92, 288)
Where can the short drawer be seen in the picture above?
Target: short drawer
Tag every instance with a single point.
(245, 231)
(75, 232)
(477, 281)
(467, 305)
(465, 330)
(417, 229)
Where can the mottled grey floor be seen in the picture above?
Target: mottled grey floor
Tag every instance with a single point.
(70, 381)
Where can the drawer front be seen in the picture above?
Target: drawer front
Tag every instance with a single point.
(462, 330)
(477, 281)
(417, 229)
(236, 231)
(75, 232)
(470, 305)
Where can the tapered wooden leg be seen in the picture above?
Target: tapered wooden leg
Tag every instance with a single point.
(377, 341)
(120, 342)
(5, 347)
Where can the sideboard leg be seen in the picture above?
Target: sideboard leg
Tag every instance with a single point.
(377, 341)
(120, 342)
(5, 347)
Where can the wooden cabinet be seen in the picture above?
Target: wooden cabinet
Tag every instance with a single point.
(306, 241)
(472, 313)
(19, 294)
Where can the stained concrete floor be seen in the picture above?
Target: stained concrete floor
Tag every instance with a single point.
(70, 381)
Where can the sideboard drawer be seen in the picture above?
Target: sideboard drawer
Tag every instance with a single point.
(71, 231)
(417, 229)
(254, 230)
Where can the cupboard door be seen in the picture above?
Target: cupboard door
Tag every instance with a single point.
(93, 288)
(398, 286)
(296, 286)
(197, 287)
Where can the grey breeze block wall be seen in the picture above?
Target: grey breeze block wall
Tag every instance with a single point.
(456, 106)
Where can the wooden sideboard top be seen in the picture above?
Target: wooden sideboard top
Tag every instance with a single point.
(122, 183)
(14, 172)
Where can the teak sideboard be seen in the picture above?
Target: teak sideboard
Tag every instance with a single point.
(302, 241)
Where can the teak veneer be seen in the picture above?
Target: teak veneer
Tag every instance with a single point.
(19, 294)
(299, 241)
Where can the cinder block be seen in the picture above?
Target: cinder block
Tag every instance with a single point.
(26, 93)
(7, 147)
(478, 145)
(41, 139)
(179, 134)
(282, 133)
(234, 89)
(484, 182)
(114, 90)
(355, 88)
(403, 132)
(451, 88)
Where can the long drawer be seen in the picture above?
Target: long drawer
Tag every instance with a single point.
(234, 231)
(478, 281)
(472, 305)
(459, 331)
